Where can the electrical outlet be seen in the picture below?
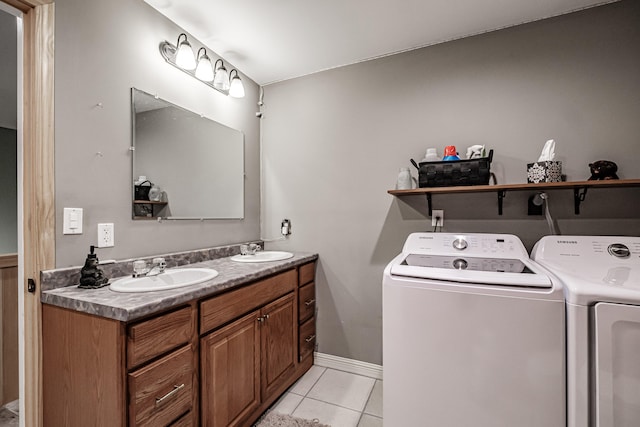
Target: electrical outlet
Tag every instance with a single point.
(105, 235)
(436, 213)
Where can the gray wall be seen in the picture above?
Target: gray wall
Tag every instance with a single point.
(8, 70)
(8, 191)
(8, 135)
(102, 50)
(333, 143)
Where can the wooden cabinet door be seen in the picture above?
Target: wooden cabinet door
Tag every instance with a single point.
(278, 342)
(230, 372)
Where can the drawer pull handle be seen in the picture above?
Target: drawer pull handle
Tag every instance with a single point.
(176, 389)
(310, 338)
(309, 302)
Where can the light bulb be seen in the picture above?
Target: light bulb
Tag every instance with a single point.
(221, 77)
(236, 88)
(204, 71)
(184, 54)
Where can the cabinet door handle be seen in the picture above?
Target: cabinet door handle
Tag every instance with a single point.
(310, 338)
(309, 302)
(260, 319)
(176, 389)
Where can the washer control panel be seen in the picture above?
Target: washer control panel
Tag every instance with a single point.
(487, 245)
(588, 249)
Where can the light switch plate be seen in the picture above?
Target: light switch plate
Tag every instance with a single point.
(72, 221)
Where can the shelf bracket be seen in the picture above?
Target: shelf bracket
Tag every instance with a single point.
(579, 195)
(501, 195)
(429, 203)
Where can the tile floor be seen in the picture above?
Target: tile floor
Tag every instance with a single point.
(337, 398)
(9, 415)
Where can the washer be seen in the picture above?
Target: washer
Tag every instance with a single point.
(473, 335)
(601, 278)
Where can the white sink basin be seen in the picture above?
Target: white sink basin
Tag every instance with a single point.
(263, 256)
(170, 279)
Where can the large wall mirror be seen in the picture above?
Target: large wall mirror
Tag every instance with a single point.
(196, 165)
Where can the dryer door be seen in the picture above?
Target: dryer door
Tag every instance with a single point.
(617, 365)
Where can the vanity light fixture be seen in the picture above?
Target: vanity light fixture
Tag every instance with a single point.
(184, 54)
(220, 76)
(204, 70)
(216, 77)
(236, 88)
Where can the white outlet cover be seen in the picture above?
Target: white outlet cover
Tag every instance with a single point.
(72, 221)
(437, 213)
(105, 235)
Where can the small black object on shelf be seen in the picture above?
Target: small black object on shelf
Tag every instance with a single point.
(603, 169)
(91, 275)
(141, 191)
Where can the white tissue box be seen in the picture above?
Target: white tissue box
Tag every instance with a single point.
(544, 172)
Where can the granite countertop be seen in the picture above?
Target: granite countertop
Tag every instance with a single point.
(130, 306)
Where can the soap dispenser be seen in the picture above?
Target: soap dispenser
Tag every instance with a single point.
(91, 275)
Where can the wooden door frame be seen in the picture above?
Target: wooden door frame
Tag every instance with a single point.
(37, 246)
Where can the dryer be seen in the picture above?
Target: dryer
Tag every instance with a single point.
(601, 279)
(473, 335)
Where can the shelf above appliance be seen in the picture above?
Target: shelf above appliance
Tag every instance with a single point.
(579, 189)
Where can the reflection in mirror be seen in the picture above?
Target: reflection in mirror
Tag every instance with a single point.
(193, 166)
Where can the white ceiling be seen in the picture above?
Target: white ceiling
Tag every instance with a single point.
(274, 40)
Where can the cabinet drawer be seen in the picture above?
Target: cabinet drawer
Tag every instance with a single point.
(161, 391)
(307, 338)
(221, 309)
(307, 273)
(185, 421)
(151, 338)
(306, 302)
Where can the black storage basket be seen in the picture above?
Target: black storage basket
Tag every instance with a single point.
(141, 192)
(455, 172)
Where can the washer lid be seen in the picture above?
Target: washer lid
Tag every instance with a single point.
(593, 268)
(493, 259)
(490, 271)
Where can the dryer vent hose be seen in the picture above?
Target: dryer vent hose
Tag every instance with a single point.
(552, 226)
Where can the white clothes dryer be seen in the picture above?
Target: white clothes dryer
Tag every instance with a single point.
(601, 278)
(473, 335)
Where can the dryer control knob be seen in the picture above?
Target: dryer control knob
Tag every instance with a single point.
(460, 244)
(619, 250)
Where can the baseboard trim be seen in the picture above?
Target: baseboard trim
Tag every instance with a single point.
(348, 365)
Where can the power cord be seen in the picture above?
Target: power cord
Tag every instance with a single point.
(435, 227)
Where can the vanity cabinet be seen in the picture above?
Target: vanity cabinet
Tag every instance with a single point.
(306, 311)
(162, 391)
(215, 361)
(247, 362)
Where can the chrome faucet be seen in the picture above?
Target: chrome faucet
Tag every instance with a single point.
(158, 266)
(249, 249)
(140, 268)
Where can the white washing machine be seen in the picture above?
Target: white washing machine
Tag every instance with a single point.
(473, 335)
(601, 278)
